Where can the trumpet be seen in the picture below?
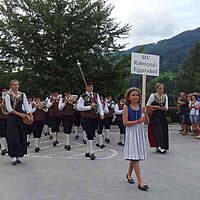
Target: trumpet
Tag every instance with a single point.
(56, 98)
(72, 99)
(42, 105)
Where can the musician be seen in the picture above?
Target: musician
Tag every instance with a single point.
(108, 117)
(39, 109)
(90, 105)
(3, 122)
(28, 127)
(102, 123)
(77, 121)
(66, 105)
(55, 115)
(119, 113)
(16, 132)
(47, 123)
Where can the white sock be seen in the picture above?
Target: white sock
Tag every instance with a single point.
(54, 136)
(107, 133)
(3, 143)
(46, 128)
(76, 130)
(84, 135)
(67, 139)
(90, 145)
(121, 138)
(50, 131)
(37, 140)
(14, 159)
(100, 139)
(28, 138)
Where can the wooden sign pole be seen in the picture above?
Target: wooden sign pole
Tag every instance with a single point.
(144, 83)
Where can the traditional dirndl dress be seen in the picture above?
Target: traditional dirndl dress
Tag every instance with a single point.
(135, 138)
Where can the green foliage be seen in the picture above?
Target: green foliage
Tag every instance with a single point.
(46, 38)
(188, 78)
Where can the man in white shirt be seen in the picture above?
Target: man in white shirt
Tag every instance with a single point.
(90, 105)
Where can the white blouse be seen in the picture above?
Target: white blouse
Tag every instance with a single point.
(25, 105)
(81, 107)
(117, 110)
(151, 100)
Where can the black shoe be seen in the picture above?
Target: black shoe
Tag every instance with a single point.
(119, 143)
(68, 147)
(37, 149)
(28, 143)
(3, 152)
(163, 152)
(92, 156)
(107, 140)
(84, 141)
(143, 188)
(102, 146)
(54, 143)
(131, 181)
(50, 137)
(157, 150)
(97, 145)
(76, 137)
(57, 142)
(18, 161)
(87, 155)
(14, 163)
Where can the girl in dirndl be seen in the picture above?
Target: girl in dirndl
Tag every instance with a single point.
(134, 117)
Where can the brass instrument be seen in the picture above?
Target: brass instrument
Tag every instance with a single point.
(57, 98)
(27, 119)
(42, 105)
(72, 99)
(3, 107)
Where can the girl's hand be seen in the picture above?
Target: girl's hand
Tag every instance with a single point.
(141, 120)
(144, 110)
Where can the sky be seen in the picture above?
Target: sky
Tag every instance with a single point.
(154, 20)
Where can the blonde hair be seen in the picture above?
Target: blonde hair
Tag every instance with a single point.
(158, 85)
(12, 81)
(128, 92)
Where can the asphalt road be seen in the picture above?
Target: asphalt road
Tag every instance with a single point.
(56, 174)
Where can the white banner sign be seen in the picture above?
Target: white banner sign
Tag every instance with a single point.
(145, 64)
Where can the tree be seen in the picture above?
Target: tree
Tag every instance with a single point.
(47, 37)
(189, 74)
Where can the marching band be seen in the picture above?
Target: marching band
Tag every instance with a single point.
(92, 111)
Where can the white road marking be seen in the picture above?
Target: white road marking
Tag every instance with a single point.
(77, 156)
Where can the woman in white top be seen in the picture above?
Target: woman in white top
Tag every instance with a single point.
(16, 105)
(194, 114)
(158, 127)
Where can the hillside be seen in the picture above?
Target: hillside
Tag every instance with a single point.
(172, 51)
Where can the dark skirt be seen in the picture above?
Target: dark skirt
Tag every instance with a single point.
(37, 128)
(16, 136)
(3, 125)
(158, 130)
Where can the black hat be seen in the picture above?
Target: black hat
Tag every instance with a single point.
(121, 97)
(90, 83)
